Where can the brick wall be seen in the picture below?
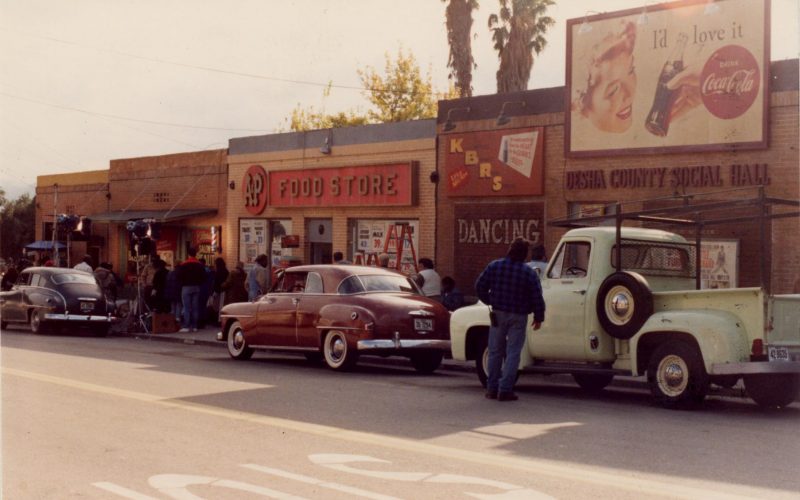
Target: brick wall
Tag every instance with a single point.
(781, 157)
(387, 148)
(82, 193)
(194, 180)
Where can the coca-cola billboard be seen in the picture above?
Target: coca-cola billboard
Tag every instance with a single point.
(681, 76)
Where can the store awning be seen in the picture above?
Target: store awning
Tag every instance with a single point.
(158, 215)
(44, 245)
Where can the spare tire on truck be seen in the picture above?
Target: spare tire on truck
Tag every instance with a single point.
(624, 303)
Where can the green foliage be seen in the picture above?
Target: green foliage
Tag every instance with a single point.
(458, 15)
(518, 32)
(17, 222)
(401, 93)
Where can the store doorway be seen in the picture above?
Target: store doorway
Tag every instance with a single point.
(320, 237)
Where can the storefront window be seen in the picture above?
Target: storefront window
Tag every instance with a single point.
(397, 238)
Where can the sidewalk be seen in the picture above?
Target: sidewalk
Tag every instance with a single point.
(208, 336)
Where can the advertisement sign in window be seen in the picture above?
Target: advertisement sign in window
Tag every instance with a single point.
(718, 259)
(397, 238)
(677, 76)
(252, 240)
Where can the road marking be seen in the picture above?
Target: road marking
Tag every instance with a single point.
(122, 491)
(569, 472)
(318, 482)
(339, 461)
(176, 486)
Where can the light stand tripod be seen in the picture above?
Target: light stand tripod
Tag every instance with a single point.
(142, 310)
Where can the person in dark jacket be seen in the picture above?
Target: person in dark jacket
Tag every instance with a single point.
(173, 293)
(9, 278)
(220, 275)
(191, 277)
(451, 297)
(206, 290)
(158, 297)
(513, 291)
(234, 286)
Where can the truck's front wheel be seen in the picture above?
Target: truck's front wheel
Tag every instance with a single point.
(676, 375)
(482, 359)
(591, 382)
(773, 391)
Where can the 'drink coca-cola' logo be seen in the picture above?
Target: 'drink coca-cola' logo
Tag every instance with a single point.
(730, 81)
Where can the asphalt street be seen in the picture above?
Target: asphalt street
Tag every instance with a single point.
(123, 417)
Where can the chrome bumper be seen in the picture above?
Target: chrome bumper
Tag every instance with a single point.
(365, 345)
(78, 317)
(220, 336)
(755, 367)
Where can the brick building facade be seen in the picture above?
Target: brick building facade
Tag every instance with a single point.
(272, 194)
(78, 193)
(184, 193)
(347, 190)
(476, 228)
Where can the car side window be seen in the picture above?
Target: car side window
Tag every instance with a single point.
(24, 279)
(572, 261)
(350, 285)
(314, 283)
(293, 282)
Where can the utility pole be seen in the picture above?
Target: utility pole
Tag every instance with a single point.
(54, 248)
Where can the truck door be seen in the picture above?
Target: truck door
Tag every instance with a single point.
(565, 286)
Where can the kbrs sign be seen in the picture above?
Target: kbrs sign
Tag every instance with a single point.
(374, 185)
(495, 163)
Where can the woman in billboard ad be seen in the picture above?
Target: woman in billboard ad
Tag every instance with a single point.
(675, 78)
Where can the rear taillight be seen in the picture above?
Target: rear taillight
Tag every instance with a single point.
(758, 347)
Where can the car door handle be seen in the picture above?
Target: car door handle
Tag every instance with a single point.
(295, 301)
(579, 292)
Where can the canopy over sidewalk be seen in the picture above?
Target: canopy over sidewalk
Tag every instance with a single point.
(44, 245)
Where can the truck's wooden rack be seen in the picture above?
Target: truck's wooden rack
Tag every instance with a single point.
(697, 211)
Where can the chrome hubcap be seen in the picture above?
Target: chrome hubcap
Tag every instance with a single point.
(673, 375)
(238, 339)
(619, 305)
(337, 348)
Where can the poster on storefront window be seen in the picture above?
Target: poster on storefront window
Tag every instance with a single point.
(252, 240)
(398, 238)
(280, 256)
(718, 263)
(679, 76)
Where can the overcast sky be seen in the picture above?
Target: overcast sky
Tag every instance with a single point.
(83, 82)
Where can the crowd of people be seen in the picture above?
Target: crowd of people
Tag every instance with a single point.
(194, 291)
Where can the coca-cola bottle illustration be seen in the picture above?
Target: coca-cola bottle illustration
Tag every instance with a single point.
(657, 121)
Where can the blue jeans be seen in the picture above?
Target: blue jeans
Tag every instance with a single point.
(191, 305)
(505, 340)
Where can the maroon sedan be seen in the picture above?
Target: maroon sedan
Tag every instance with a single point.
(337, 313)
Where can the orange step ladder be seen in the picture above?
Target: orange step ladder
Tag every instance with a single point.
(405, 236)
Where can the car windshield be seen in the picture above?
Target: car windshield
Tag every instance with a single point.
(378, 283)
(62, 278)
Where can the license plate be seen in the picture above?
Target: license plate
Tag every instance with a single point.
(778, 353)
(423, 325)
(87, 306)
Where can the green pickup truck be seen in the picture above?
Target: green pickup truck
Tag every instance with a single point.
(627, 301)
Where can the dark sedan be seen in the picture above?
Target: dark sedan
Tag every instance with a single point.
(54, 298)
(338, 313)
